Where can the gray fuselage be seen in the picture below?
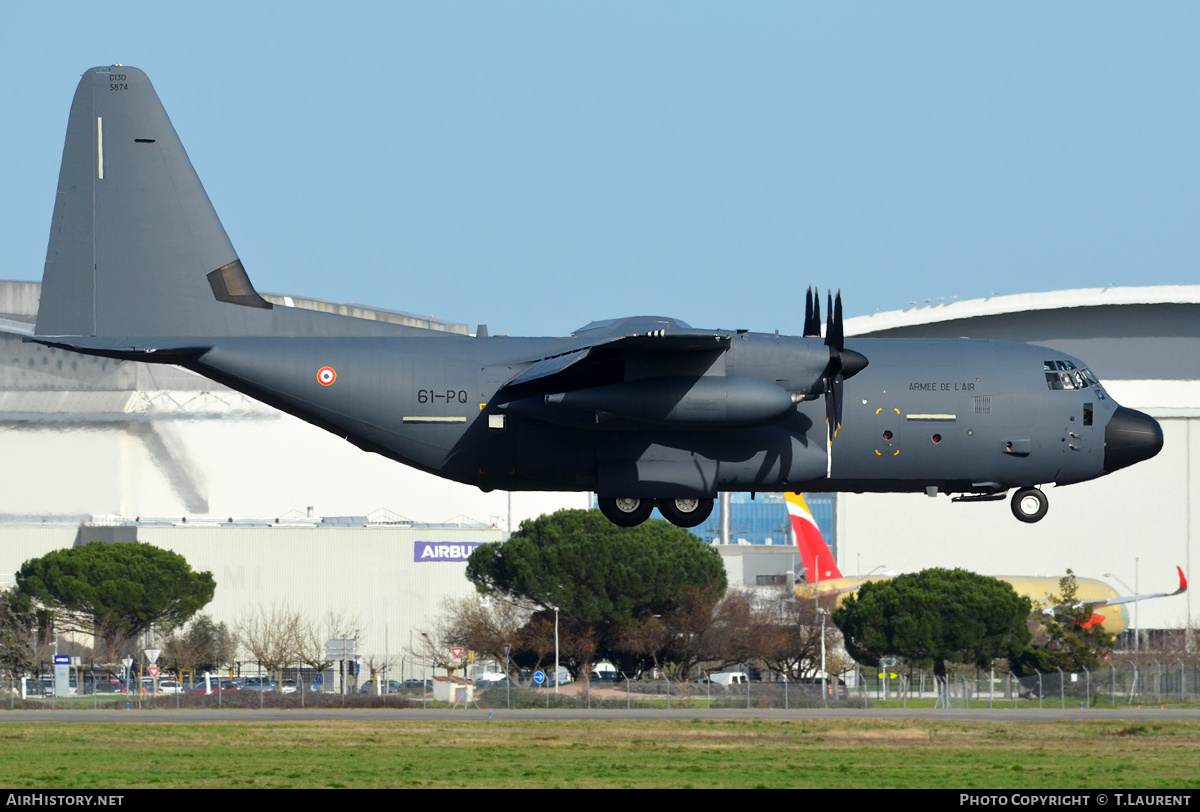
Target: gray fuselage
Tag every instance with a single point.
(958, 415)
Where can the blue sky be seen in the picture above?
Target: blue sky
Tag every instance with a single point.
(535, 166)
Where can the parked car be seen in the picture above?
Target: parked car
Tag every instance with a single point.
(416, 684)
(222, 685)
(288, 686)
(108, 686)
(259, 684)
(605, 677)
(169, 686)
(368, 687)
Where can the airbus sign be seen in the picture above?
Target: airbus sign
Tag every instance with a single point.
(441, 551)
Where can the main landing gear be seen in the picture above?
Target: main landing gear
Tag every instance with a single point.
(1029, 505)
(630, 512)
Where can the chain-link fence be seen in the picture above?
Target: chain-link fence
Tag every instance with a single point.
(1157, 682)
(1149, 682)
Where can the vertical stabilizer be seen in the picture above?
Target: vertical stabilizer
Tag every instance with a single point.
(814, 552)
(136, 248)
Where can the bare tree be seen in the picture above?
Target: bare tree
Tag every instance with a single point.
(787, 634)
(201, 645)
(377, 665)
(434, 649)
(482, 625)
(271, 636)
(695, 631)
(312, 635)
(537, 640)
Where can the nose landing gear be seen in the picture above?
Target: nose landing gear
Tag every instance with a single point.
(1029, 505)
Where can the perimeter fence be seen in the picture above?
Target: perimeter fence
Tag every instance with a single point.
(1153, 683)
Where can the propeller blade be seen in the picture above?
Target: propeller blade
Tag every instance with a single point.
(831, 415)
(809, 325)
(829, 319)
(816, 331)
(838, 339)
(842, 364)
(838, 380)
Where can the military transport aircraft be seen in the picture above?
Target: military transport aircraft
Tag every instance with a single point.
(644, 411)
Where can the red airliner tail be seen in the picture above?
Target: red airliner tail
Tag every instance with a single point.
(814, 552)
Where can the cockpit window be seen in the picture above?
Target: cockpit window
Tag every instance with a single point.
(1065, 375)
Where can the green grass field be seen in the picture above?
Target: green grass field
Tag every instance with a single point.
(686, 753)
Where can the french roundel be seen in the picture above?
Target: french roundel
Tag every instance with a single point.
(326, 376)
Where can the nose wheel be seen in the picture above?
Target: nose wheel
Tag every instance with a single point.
(1030, 505)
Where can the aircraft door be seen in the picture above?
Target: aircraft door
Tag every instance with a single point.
(1080, 430)
(497, 452)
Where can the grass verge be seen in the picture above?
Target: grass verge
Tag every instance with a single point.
(686, 753)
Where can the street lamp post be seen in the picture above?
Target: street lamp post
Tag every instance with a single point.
(424, 682)
(1136, 627)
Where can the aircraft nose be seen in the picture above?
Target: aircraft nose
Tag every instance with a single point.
(1130, 436)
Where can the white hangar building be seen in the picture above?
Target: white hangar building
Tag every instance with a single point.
(1138, 523)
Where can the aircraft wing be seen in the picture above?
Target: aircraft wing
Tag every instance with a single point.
(1135, 598)
(611, 348)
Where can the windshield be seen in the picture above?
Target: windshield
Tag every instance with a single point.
(1065, 375)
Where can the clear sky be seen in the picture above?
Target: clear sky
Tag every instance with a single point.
(537, 165)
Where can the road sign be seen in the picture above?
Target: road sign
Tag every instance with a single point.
(62, 659)
(340, 648)
(504, 649)
(457, 651)
(153, 670)
(152, 655)
(539, 677)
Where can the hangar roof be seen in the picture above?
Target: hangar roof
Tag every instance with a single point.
(1022, 303)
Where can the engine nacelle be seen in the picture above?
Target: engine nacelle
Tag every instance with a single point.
(690, 402)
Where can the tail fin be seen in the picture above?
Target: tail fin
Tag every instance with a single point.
(136, 248)
(814, 552)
